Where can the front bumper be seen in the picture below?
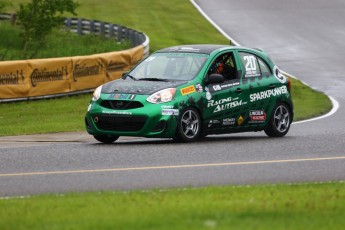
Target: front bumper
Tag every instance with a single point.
(151, 120)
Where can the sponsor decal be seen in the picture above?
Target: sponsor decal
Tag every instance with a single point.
(251, 67)
(268, 93)
(80, 71)
(199, 88)
(188, 90)
(279, 75)
(208, 96)
(12, 78)
(257, 116)
(38, 76)
(217, 87)
(213, 122)
(229, 105)
(229, 121)
(170, 112)
(117, 112)
(230, 85)
(240, 120)
(225, 103)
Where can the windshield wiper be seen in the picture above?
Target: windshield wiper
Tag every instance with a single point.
(152, 79)
(131, 77)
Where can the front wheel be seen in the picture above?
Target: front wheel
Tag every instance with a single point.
(189, 125)
(280, 121)
(106, 139)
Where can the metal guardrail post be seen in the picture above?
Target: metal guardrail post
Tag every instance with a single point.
(80, 27)
(119, 33)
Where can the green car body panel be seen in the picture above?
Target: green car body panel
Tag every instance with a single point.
(232, 89)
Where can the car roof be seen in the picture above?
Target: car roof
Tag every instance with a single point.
(203, 48)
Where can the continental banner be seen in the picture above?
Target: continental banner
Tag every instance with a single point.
(14, 80)
(49, 76)
(54, 76)
(88, 72)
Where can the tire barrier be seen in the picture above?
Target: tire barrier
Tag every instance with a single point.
(55, 77)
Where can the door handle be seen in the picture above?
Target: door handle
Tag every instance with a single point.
(239, 90)
(272, 86)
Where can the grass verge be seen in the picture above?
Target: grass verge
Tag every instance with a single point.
(306, 206)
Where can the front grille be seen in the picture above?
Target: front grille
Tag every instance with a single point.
(114, 122)
(121, 104)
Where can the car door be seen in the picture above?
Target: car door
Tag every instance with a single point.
(224, 101)
(256, 78)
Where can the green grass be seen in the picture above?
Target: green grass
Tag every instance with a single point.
(306, 206)
(308, 103)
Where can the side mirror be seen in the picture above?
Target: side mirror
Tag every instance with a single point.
(215, 78)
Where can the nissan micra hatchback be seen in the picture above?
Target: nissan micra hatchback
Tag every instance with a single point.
(190, 91)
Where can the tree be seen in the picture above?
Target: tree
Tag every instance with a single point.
(39, 17)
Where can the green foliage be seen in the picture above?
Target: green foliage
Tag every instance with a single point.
(3, 4)
(38, 18)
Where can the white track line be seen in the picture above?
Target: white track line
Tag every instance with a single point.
(225, 164)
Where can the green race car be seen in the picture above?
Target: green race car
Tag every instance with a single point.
(190, 91)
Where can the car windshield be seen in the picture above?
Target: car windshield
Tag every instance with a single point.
(169, 66)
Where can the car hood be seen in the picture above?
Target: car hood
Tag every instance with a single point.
(138, 87)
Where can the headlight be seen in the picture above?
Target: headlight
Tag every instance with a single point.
(162, 96)
(97, 93)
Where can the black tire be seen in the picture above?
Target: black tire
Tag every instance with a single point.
(280, 121)
(106, 139)
(189, 125)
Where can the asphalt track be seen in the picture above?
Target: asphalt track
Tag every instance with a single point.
(305, 38)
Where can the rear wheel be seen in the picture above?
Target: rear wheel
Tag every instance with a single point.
(280, 121)
(106, 139)
(189, 125)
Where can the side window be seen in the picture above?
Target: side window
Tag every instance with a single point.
(250, 64)
(265, 70)
(224, 64)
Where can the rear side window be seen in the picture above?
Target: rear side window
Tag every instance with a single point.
(254, 66)
(265, 70)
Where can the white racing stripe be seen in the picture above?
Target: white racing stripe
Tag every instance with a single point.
(245, 163)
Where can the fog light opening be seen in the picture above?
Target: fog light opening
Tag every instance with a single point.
(160, 126)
